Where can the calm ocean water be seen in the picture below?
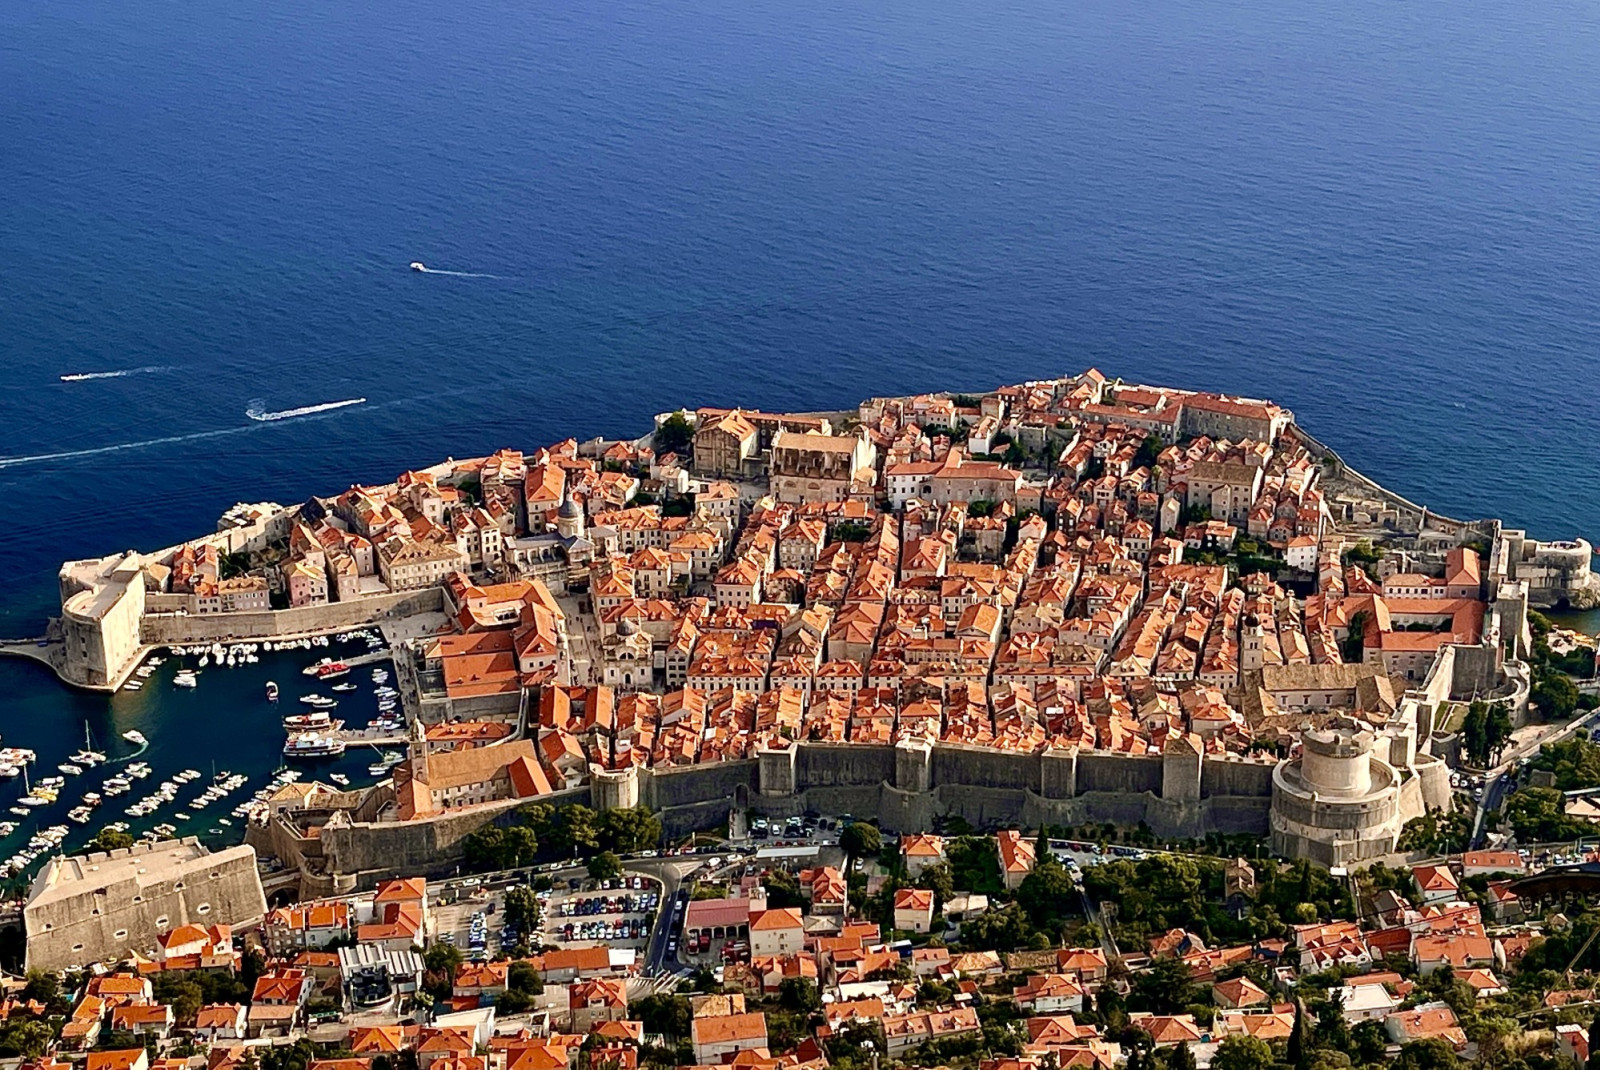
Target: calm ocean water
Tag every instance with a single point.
(1383, 215)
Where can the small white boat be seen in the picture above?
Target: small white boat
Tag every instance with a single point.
(134, 736)
(416, 265)
(70, 769)
(272, 691)
(185, 680)
(339, 779)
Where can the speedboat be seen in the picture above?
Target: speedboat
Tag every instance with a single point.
(339, 779)
(70, 769)
(134, 736)
(185, 680)
(417, 265)
(344, 687)
(272, 691)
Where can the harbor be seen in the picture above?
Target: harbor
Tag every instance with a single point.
(191, 744)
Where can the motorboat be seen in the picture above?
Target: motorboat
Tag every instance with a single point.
(272, 691)
(70, 769)
(347, 686)
(304, 722)
(136, 737)
(185, 679)
(417, 265)
(313, 745)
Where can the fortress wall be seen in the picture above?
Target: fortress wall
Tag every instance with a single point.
(378, 850)
(907, 811)
(92, 925)
(979, 767)
(843, 765)
(666, 789)
(1130, 774)
(1229, 777)
(984, 807)
(170, 629)
(680, 821)
(863, 801)
(1237, 815)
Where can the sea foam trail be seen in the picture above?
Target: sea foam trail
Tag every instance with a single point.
(457, 274)
(257, 409)
(64, 455)
(83, 377)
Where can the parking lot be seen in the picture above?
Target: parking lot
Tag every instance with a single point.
(475, 923)
(795, 831)
(616, 913)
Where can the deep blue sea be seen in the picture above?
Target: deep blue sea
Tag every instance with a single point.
(1383, 214)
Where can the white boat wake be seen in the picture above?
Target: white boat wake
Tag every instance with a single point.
(83, 377)
(257, 409)
(256, 412)
(64, 455)
(418, 266)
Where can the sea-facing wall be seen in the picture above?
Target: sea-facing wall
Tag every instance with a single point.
(175, 629)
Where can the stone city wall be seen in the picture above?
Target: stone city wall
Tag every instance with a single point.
(169, 629)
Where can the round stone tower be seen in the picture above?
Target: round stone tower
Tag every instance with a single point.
(1337, 803)
(1337, 761)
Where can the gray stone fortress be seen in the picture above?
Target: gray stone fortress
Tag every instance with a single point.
(1342, 800)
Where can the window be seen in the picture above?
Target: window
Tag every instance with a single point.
(203, 908)
(161, 922)
(76, 948)
(120, 934)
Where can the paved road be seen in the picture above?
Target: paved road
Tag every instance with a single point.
(670, 872)
(1500, 780)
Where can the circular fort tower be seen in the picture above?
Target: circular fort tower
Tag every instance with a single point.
(1337, 803)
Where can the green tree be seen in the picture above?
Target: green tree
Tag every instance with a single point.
(522, 907)
(1167, 987)
(783, 890)
(629, 829)
(669, 1015)
(1369, 1041)
(27, 1038)
(974, 865)
(938, 879)
(1242, 1053)
(110, 839)
(1594, 1044)
(1352, 648)
(998, 930)
(861, 840)
(1433, 1053)
(522, 977)
(1047, 896)
(674, 434)
(1498, 728)
(495, 847)
(800, 995)
(604, 866)
(1537, 815)
(1475, 733)
(1298, 1051)
(1554, 694)
(1180, 1057)
(441, 961)
(1332, 1031)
